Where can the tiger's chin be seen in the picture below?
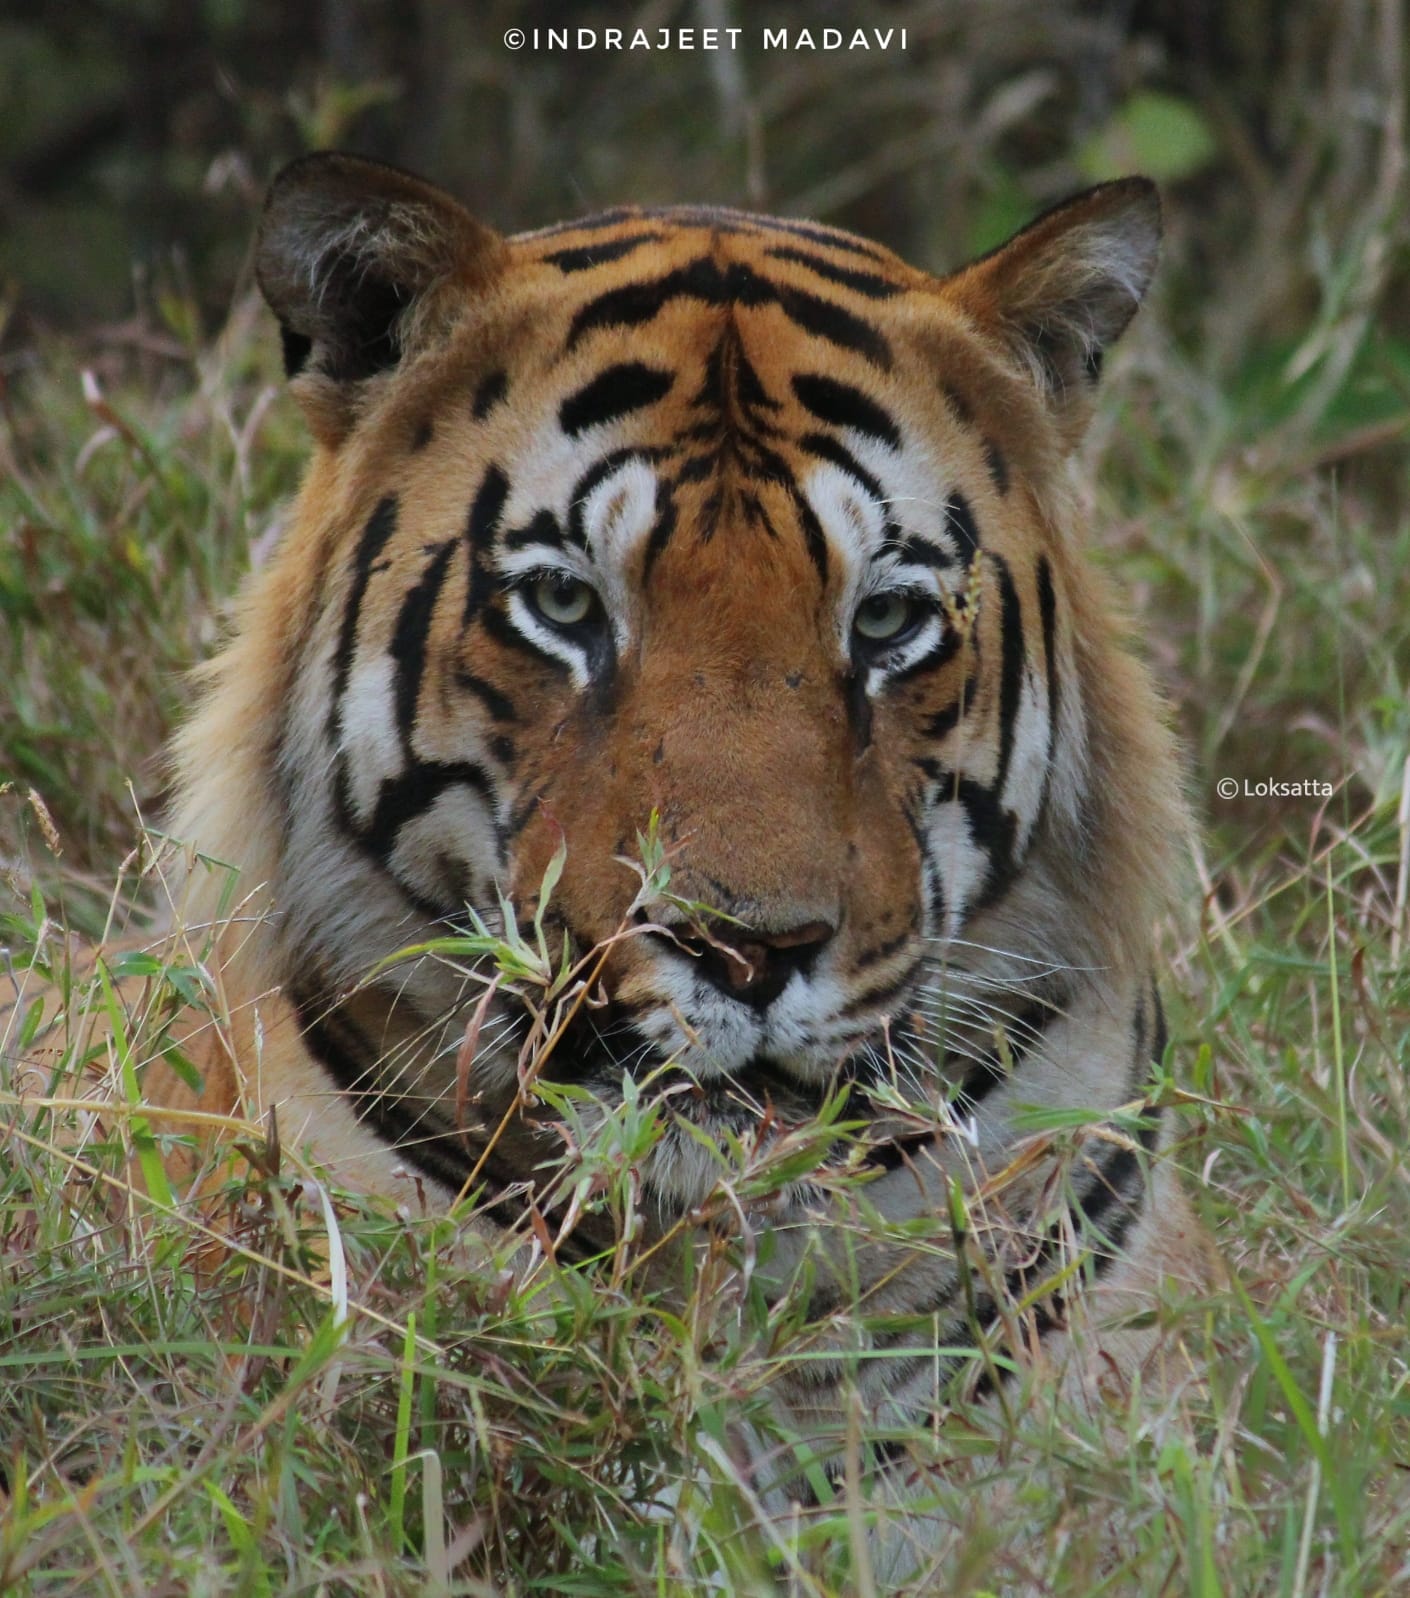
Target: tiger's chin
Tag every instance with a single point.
(723, 1131)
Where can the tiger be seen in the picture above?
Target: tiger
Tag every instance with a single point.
(740, 533)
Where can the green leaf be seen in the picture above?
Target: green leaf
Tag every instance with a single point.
(182, 1067)
(135, 963)
(1160, 135)
(148, 1155)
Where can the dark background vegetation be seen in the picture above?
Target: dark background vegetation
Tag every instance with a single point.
(137, 134)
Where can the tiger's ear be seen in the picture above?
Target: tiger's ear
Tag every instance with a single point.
(359, 262)
(1062, 291)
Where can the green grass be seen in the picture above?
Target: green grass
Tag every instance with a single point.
(180, 1420)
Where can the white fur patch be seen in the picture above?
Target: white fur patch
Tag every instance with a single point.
(368, 731)
(457, 831)
(1028, 762)
(856, 532)
(961, 863)
(618, 513)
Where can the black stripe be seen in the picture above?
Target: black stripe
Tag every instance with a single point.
(884, 950)
(503, 631)
(860, 715)
(755, 514)
(497, 703)
(340, 1046)
(583, 257)
(544, 528)
(1102, 1213)
(1161, 1037)
(875, 998)
(730, 376)
(921, 551)
(1119, 1180)
(489, 392)
(634, 303)
(828, 448)
(697, 468)
(959, 405)
(944, 722)
(994, 829)
(842, 405)
(375, 536)
(829, 321)
(938, 899)
(875, 288)
(403, 798)
(613, 393)
(408, 645)
(480, 527)
(524, 812)
(831, 238)
(663, 530)
(1140, 1060)
(1011, 669)
(1047, 611)
(959, 520)
(443, 1158)
(813, 535)
(998, 466)
(1120, 1176)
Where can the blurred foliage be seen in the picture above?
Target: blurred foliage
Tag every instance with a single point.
(138, 135)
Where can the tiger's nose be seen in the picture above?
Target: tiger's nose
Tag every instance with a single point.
(752, 966)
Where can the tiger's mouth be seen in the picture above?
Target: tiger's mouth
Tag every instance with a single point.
(768, 1087)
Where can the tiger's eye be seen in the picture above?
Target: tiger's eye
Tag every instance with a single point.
(883, 618)
(562, 599)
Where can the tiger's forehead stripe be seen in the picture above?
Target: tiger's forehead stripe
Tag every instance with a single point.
(867, 283)
(615, 392)
(736, 285)
(844, 405)
(712, 219)
(587, 256)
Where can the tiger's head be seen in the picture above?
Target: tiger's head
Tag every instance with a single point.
(737, 521)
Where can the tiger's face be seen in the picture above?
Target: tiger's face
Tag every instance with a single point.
(736, 601)
(737, 523)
